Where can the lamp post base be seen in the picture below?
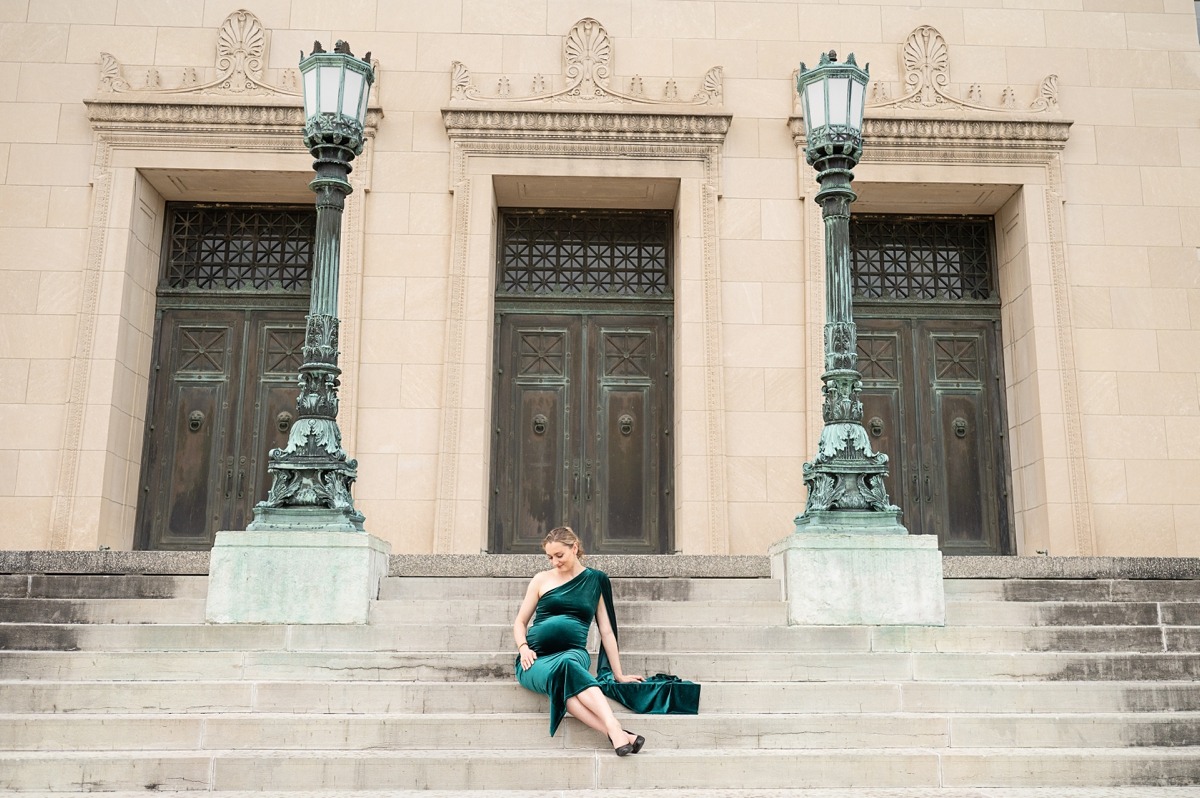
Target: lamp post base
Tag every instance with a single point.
(306, 519)
(836, 574)
(290, 577)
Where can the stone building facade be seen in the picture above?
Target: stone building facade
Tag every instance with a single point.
(552, 189)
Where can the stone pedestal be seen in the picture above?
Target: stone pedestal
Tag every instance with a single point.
(849, 568)
(294, 577)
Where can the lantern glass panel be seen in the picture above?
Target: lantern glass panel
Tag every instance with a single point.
(856, 105)
(362, 104)
(351, 93)
(330, 76)
(310, 93)
(839, 99)
(814, 96)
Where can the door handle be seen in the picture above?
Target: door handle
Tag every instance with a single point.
(228, 482)
(928, 494)
(588, 486)
(916, 489)
(241, 484)
(575, 486)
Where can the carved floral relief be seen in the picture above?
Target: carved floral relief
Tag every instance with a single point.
(587, 78)
(241, 55)
(925, 60)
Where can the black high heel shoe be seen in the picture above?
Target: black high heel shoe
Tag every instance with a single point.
(637, 743)
(624, 750)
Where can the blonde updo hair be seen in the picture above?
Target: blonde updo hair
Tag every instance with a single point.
(566, 536)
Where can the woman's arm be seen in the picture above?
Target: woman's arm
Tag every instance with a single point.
(521, 624)
(609, 641)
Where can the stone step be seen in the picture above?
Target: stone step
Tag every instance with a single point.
(350, 697)
(102, 611)
(102, 586)
(557, 768)
(857, 792)
(699, 613)
(624, 589)
(983, 612)
(627, 588)
(1084, 590)
(509, 731)
(702, 667)
(509, 697)
(728, 612)
(683, 639)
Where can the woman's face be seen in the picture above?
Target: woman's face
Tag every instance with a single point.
(561, 556)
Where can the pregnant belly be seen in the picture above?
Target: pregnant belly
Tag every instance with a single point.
(557, 633)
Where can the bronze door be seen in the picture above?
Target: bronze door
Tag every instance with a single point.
(581, 431)
(932, 400)
(223, 393)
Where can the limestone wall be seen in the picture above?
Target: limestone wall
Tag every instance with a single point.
(1098, 239)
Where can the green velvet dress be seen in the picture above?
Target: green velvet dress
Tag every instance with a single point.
(559, 637)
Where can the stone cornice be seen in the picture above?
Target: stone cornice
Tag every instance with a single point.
(922, 133)
(499, 122)
(170, 114)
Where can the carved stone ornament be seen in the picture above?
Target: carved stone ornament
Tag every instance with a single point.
(587, 78)
(929, 122)
(925, 60)
(925, 57)
(241, 54)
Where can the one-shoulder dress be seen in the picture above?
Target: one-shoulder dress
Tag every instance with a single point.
(559, 638)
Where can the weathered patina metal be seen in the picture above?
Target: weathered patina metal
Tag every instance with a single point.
(847, 474)
(312, 476)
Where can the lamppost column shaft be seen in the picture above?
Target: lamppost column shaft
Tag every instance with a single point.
(331, 186)
(312, 475)
(834, 176)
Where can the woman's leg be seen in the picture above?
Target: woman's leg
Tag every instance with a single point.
(593, 702)
(588, 718)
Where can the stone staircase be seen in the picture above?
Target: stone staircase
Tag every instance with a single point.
(115, 683)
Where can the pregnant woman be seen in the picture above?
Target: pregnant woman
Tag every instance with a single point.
(552, 653)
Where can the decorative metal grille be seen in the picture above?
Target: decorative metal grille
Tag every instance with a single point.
(249, 248)
(587, 253)
(913, 257)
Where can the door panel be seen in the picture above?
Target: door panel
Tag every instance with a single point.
(269, 405)
(885, 362)
(534, 473)
(967, 510)
(629, 428)
(188, 463)
(224, 381)
(933, 384)
(598, 461)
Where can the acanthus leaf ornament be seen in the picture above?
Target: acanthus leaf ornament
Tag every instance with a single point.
(241, 53)
(587, 78)
(925, 60)
(110, 74)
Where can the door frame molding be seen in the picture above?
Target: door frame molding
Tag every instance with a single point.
(1009, 166)
(150, 149)
(551, 145)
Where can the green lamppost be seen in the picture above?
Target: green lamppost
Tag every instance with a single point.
(312, 475)
(849, 561)
(845, 479)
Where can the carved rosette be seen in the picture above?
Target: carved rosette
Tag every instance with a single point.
(587, 78)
